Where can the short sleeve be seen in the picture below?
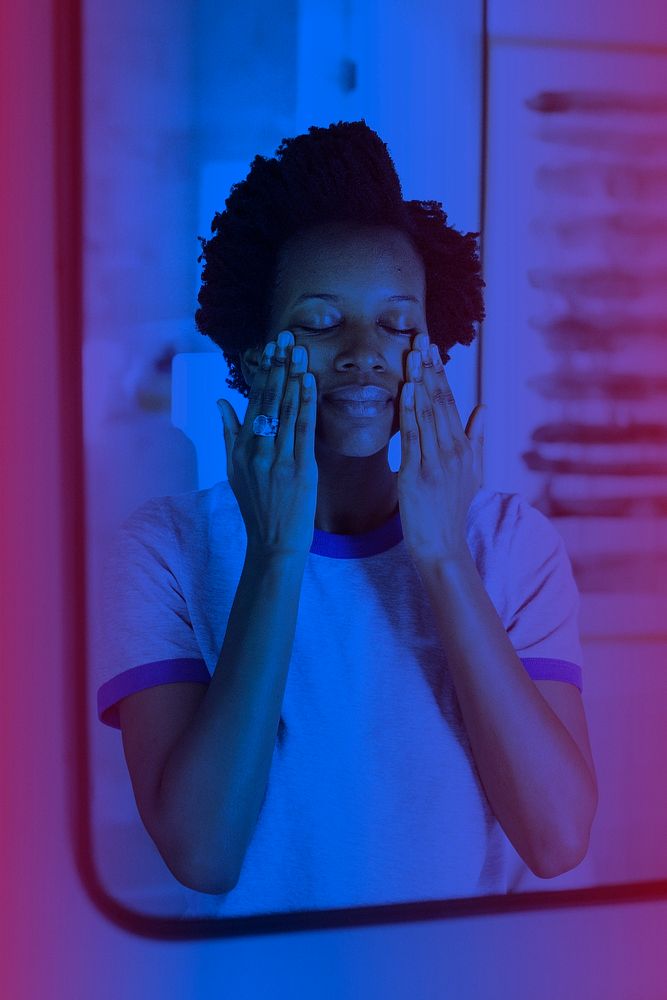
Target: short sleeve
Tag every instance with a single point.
(543, 604)
(146, 636)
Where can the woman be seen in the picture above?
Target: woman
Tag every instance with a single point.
(338, 685)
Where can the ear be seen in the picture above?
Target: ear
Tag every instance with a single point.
(249, 362)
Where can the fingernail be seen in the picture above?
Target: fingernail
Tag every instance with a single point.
(417, 372)
(284, 340)
(218, 403)
(267, 355)
(435, 355)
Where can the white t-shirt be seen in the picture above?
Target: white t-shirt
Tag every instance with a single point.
(373, 796)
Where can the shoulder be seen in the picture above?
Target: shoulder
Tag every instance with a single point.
(508, 520)
(494, 516)
(168, 519)
(516, 548)
(177, 536)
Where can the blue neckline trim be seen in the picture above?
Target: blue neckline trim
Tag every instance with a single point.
(369, 543)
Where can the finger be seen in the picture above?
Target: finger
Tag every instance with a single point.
(275, 384)
(431, 369)
(230, 429)
(410, 448)
(274, 387)
(438, 403)
(445, 397)
(424, 410)
(475, 426)
(304, 429)
(257, 390)
(475, 434)
(289, 410)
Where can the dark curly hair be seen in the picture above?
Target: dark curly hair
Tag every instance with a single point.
(342, 173)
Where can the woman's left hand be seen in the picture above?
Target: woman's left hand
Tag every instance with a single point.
(441, 463)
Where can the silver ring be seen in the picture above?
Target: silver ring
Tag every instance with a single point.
(264, 426)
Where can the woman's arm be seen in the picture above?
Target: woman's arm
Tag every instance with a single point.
(199, 757)
(538, 775)
(200, 769)
(536, 770)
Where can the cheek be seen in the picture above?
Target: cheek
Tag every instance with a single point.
(304, 341)
(316, 357)
(398, 360)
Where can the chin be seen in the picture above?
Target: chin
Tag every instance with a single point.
(355, 440)
(355, 445)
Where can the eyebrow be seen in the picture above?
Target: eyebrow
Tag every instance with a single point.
(336, 298)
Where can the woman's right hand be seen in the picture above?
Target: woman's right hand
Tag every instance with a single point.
(274, 479)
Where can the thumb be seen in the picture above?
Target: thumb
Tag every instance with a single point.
(228, 429)
(475, 426)
(481, 422)
(478, 445)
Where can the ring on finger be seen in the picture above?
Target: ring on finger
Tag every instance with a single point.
(436, 360)
(265, 426)
(425, 355)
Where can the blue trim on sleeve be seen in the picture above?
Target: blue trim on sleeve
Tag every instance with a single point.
(145, 676)
(543, 668)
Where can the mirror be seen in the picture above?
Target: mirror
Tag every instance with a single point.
(575, 243)
(570, 361)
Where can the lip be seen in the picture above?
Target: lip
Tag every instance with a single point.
(360, 407)
(358, 393)
(359, 399)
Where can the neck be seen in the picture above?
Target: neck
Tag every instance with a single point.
(354, 495)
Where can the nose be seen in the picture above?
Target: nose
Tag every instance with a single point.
(362, 349)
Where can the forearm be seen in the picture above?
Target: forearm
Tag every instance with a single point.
(215, 777)
(535, 776)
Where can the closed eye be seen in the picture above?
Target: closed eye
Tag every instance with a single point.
(324, 329)
(409, 332)
(315, 329)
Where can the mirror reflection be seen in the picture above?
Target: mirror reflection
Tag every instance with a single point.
(335, 661)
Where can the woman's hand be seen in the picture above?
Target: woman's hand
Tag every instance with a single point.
(440, 469)
(274, 479)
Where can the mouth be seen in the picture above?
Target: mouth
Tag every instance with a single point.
(359, 400)
(359, 407)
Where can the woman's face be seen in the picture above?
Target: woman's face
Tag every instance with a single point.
(354, 298)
